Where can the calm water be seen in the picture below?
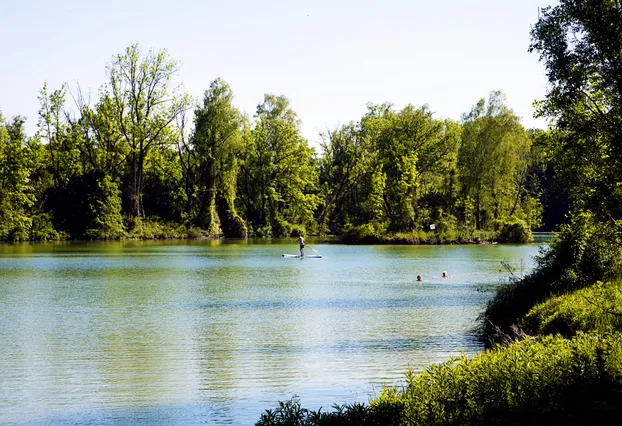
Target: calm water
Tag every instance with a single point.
(216, 332)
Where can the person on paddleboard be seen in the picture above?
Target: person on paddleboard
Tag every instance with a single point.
(302, 244)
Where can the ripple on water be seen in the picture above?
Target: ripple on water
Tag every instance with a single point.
(203, 333)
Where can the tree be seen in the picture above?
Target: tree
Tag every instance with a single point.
(580, 44)
(63, 139)
(143, 108)
(16, 192)
(415, 150)
(278, 176)
(492, 157)
(344, 168)
(211, 165)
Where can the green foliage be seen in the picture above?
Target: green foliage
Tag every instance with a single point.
(163, 195)
(88, 206)
(155, 229)
(585, 251)
(278, 177)
(210, 164)
(16, 191)
(141, 109)
(492, 159)
(291, 413)
(542, 381)
(384, 178)
(42, 229)
(515, 231)
(579, 44)
(596, 309)
(362, 234)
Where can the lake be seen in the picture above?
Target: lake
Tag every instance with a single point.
(214, 332)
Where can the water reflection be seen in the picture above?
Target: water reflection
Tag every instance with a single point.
(215, 332)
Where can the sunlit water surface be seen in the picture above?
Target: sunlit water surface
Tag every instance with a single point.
(162, 333)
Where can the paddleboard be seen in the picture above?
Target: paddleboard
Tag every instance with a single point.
(297, 256)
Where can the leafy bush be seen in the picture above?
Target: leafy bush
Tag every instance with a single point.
(43, 230)
(542, 381)
(514, 231)
(364, 234)
(596, 308)
(154, 228)
(88, 206)
(585, 251)
(290, 413)
(282, 228)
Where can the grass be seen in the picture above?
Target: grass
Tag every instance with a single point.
(596, 309)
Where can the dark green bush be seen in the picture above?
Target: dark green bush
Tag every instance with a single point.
(290, 413)
(363, 234)
(514, 231)
(88, 206)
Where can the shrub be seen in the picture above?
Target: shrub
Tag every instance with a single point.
(547, 380)
(290, 413)
(515, 231)
(43, 230)
(88, 206)
(365, 234)
(154, 228)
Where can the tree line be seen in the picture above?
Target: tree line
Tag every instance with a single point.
(146, 155)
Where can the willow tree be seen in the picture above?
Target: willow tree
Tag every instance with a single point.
(210, 165)
(143, 107)
(492, 153)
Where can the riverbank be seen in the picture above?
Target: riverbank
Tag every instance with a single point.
(156, 229)
(567, 370)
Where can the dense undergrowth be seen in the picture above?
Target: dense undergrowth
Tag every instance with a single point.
(509, 231)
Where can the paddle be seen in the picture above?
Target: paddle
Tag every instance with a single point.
(314, 250)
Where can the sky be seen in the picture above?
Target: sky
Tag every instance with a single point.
(330, 58)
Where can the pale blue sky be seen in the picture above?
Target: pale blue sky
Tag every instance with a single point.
(330, 58)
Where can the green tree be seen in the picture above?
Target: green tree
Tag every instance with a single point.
(143, 108)
(492, 158)
(344, 168)
(16, 191)
(580, 44)
(210, 163)
(63, 139)
(278, 179)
